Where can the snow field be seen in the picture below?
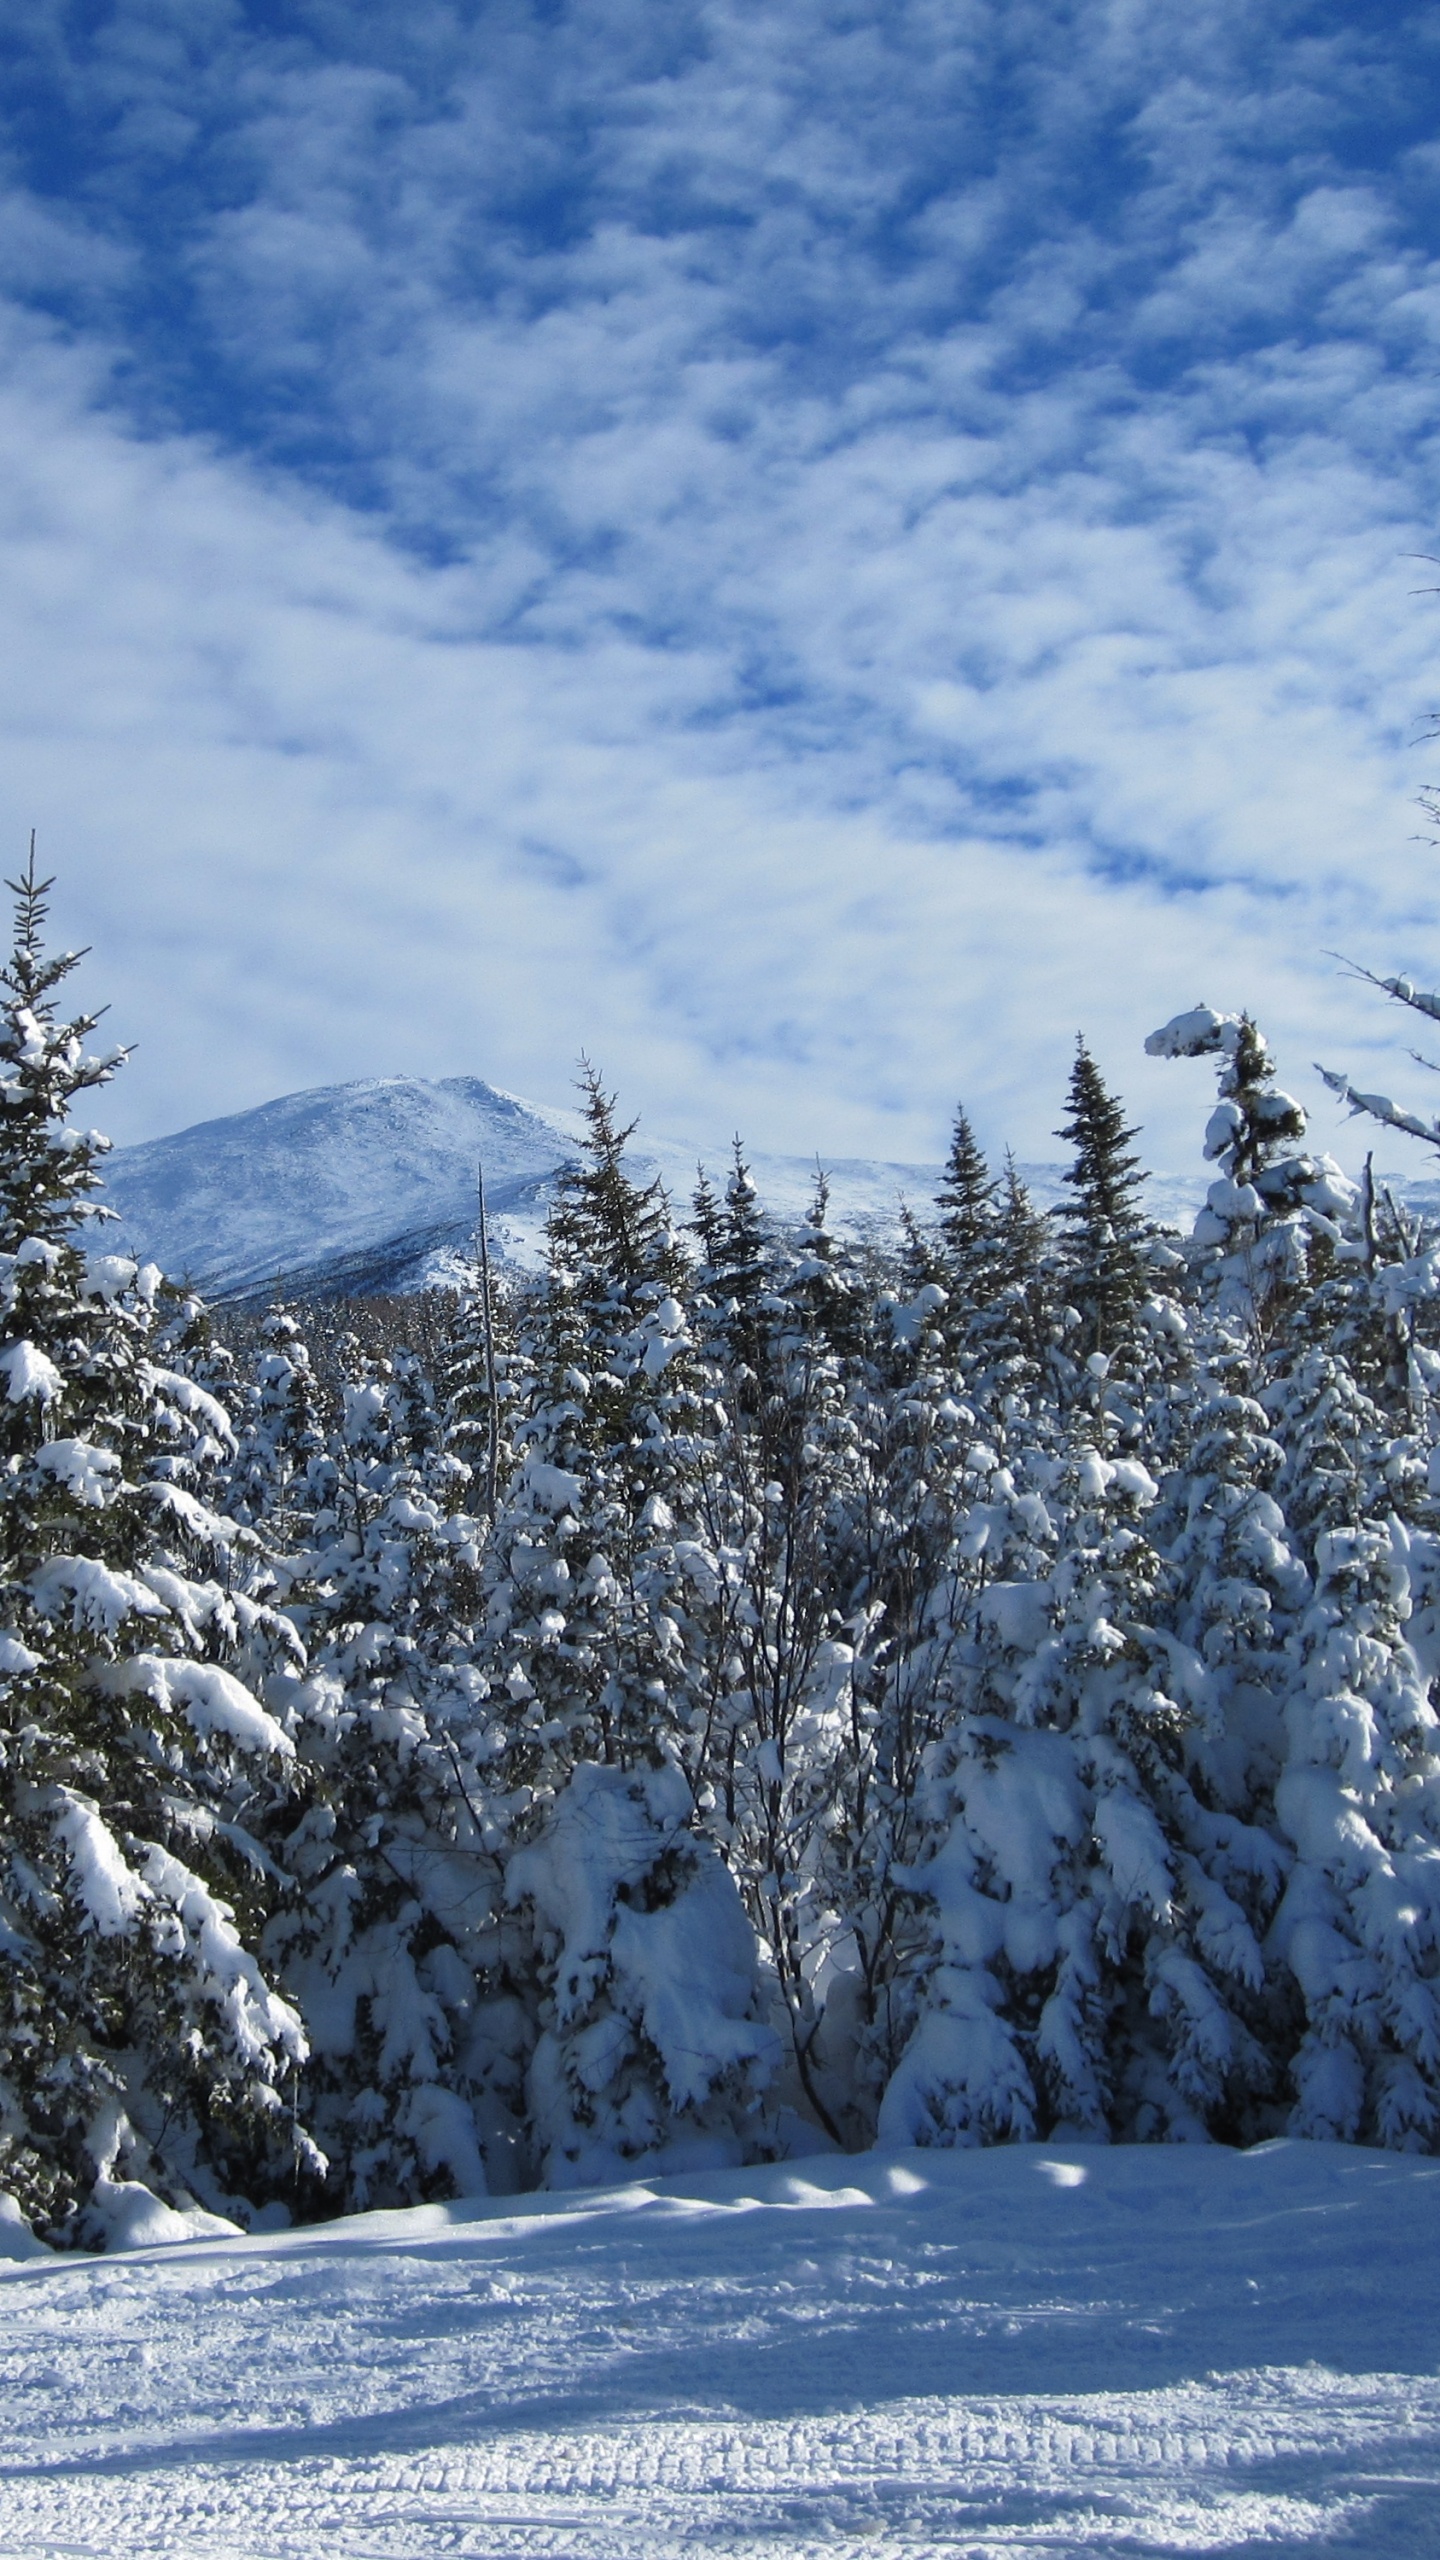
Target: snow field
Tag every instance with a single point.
(1048, 2351)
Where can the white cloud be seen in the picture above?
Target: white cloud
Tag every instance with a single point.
(813, 558)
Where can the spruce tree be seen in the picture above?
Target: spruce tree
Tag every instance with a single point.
(1104, 1259)
(966, 1197)
(970, 1243)
(141, 2045)
(392, 1944)
(279, 1435)
(594, 1639)
(1099, 1965)
(1008, 1348)
(653, 2045)
(705, 1217)
(607, 1232)
(732, 1282)
(1267, 1205)
(1359, 1798)
(1329, 1571)
(581, 1548)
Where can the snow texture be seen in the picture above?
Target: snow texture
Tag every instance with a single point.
(680, 1966)
(1056, 2351)
(213, 1700)
(132, 2218)
(29, 1372)
(87, 1473)
(91, 1594)
(17, 2240)
(110, 1894)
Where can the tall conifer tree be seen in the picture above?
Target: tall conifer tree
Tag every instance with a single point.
(141, 2046)
(1105, 1264)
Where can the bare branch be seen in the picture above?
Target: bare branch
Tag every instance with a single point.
(1399, 990)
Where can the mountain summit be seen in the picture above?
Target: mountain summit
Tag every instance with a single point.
(345, 1188)
(354, 1188)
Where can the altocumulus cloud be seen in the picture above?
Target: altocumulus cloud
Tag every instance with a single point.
(815, 549)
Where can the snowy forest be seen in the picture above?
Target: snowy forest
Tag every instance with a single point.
(741, 1695)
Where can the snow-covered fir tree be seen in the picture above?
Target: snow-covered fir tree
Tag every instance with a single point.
(1333, 1697)
(1095, 1958)
(387, 1943)
(969, 1253)
(142, 2045)
(1267, 1204)
(1103, 1258)
(597, 1586)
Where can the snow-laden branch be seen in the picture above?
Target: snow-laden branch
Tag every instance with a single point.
(1200, 1033)
(1378, 1106)
(1400, 989)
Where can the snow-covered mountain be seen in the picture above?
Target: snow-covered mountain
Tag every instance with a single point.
(353, 1188)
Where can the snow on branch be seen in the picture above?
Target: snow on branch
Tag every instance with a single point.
(1400, 989)
(1200, 1033)
(212, 1699)
(1378, 1106)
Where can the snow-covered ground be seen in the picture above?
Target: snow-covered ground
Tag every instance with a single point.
(1048, 2351)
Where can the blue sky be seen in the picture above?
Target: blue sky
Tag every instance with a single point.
(811, 550)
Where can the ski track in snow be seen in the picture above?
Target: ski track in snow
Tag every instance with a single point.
(1050, 2352)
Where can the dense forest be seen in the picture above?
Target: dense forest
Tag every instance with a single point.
(740, 1695)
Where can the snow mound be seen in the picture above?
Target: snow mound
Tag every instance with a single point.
(17, 2240)
(130, 2217)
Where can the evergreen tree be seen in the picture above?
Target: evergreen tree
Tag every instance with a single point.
(388, 1945)
(966, 1198)
(594, 1614)
(280, 1435)
(971, 1251)
(1331, 1693)
(608, 1233)
(911, 1541)
(705, 1217)
(1252, 1239)
(1008, 1348)
(581, 1548)
(141, 2044)
(732, 1283)
(1098, 1966)
(1104, 1259)
(653, 2046)
(1360, 1800)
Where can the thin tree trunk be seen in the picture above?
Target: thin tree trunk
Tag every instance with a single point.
(492, 1441)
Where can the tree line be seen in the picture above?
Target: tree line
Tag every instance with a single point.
(743, 1693)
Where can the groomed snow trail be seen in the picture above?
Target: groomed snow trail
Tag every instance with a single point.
(1048, 2352)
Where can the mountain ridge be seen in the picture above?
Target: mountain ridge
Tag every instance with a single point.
(348, 1189)
(369, 1187)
